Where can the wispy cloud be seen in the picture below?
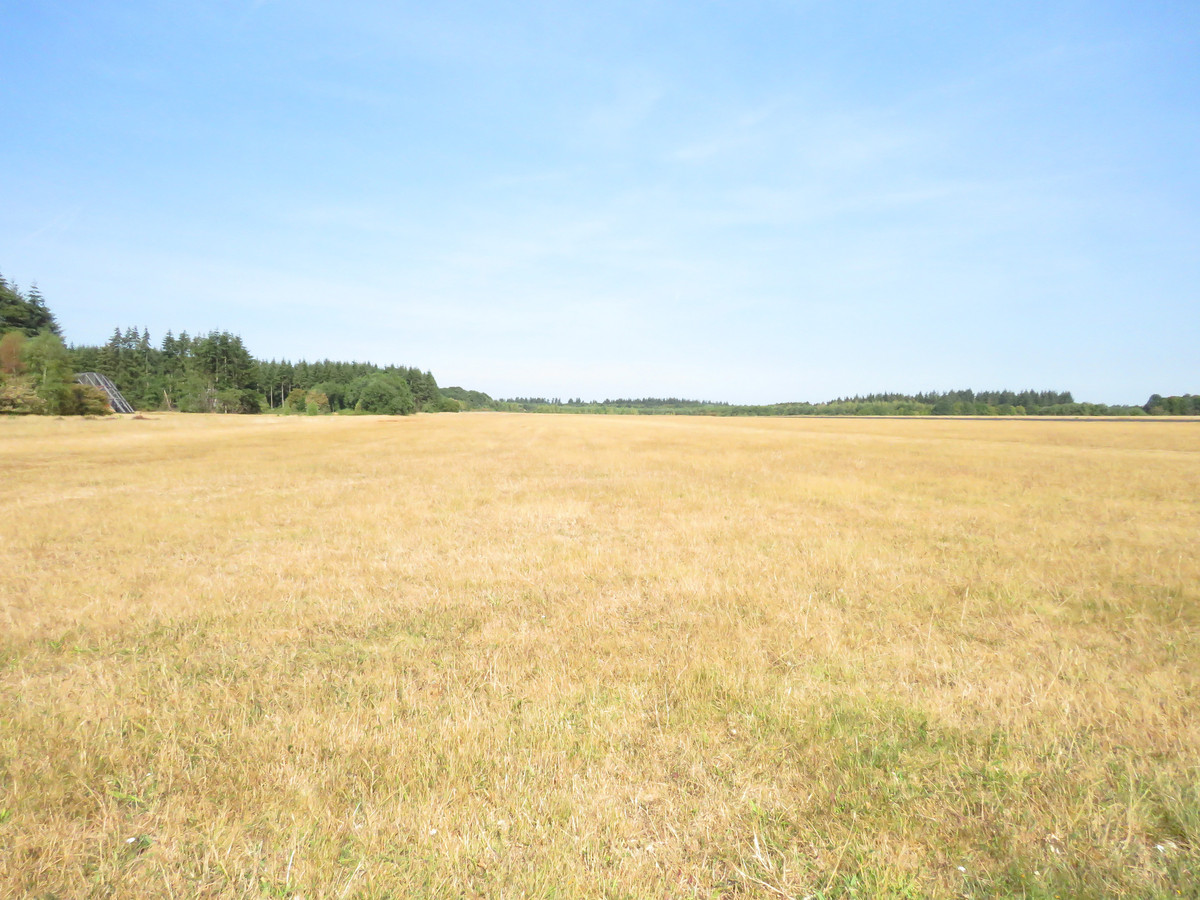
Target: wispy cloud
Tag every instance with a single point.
(734, 138)
(60, 224)
(634, 99)
(543, 199)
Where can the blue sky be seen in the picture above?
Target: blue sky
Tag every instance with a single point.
(747, 201)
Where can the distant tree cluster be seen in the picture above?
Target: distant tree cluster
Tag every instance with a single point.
(212, 372)
(949, 403)
(1185, 405)
(469, 399)
(36, 377)
(209, 373)
(216, 373)
(327, 386)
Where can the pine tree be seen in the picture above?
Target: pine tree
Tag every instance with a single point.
(42, 311)
(25, 313)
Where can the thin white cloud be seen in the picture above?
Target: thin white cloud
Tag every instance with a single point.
(574, 197)
(636, 96)
(735, 137)
(60, 224)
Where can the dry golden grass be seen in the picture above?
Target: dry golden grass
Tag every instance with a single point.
(527, 656)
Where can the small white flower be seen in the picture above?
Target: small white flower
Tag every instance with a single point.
(962, 868)
(433, 831)
(132, 839)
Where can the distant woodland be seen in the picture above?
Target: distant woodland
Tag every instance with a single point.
(948, 403)
(212, 372)
(215, 372)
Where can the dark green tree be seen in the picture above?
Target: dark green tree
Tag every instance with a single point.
(27, 313)
(386, 393)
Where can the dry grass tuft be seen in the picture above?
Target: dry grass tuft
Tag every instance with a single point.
(489, 655)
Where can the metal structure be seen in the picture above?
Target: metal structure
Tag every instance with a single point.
(115, 400)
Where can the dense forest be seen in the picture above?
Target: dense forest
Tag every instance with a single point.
(215, 372)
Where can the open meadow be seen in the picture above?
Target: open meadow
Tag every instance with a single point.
(492, 655)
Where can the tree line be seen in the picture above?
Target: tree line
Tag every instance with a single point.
(948, 403)
(212, 372)
(215, 372)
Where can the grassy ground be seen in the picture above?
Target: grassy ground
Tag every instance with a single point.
(506, 656)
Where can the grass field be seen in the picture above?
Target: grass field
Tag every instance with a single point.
(516, 656)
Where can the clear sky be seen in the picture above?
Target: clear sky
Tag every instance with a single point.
(748, 201)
